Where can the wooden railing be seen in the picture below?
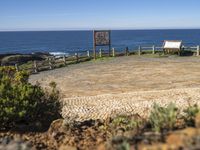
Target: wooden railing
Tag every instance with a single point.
(146, 49)
(53, 62)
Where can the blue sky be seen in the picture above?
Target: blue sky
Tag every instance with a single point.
(98, 14)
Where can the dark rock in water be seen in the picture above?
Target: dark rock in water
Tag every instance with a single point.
(20, 58)
(41, 53)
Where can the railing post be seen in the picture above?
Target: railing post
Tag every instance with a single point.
(113, 52)
(153, 49)
(126, 51)
(198, 49)
(100, 53)
(50, 64)
(64, 60)
(76, 56)
(139, 50)
(88, 53)
(16, 67)
(35, 66)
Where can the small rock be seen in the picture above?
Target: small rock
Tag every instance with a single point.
(55, 127)
(15, 145)
(120, 132)
(117, 139)
(66, 147)
(99, 140)
(5, 140)
(157, 147)
(197, 120)
(152, 136)
(182, 137)
(129, 134)
(102, 147)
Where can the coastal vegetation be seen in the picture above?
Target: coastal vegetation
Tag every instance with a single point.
(23, 103)
(163, 117)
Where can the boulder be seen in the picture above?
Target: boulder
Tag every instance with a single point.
(197, 121)
(181, 138)
(55, 127)
(20, 59)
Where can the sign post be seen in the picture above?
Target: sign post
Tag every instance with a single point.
(101, 38)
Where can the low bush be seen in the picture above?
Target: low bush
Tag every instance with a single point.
(126, 122)
(124, 146)
(22, 102)
(190, 114)
(163, 117)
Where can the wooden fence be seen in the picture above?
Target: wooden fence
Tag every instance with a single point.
(146, 49)
(53, 62)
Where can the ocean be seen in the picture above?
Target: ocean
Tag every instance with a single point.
(79, 41)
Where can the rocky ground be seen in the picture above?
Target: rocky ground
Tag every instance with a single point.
(102, 135)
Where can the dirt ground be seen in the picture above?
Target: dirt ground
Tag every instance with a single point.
(123, 74)
(139, 77)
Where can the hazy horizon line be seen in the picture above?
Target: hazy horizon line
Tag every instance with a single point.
(88, 29)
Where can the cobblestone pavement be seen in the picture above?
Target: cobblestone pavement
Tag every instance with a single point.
(110, 105)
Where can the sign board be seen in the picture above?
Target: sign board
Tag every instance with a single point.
(101, 38)
(172, 44)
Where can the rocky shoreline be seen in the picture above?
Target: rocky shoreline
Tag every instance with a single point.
(18, 58)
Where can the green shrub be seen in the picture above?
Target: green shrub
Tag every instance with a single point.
(163, 117)
(21, 101)
(190, 114)
(124, 146)
(126, 122)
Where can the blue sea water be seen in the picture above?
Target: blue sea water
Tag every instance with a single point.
(78, 41)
